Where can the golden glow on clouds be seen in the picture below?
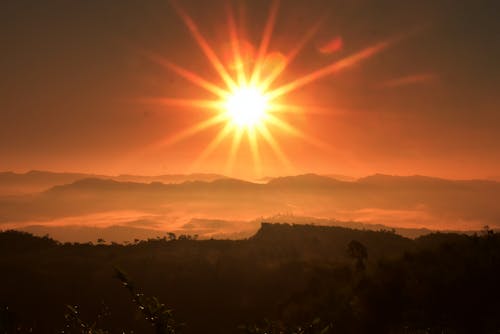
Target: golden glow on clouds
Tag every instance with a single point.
(248, 107)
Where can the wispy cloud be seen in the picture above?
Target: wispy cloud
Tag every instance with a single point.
(333, 45)
(413, 79)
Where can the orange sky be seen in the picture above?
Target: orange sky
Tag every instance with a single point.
(74, 74)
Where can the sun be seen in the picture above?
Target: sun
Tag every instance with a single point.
(246, 107)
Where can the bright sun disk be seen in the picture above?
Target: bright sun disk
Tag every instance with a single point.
(249, 105)
(246, 106)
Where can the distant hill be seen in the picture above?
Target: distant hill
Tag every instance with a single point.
(304, 220)
(338, 177)
(317, 240)
(420, 181)
(129, 230)
(341, 177)
(306, 181)
(410, 204)
(170, 178)
(37, 181)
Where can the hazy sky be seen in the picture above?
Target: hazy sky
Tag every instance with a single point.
(73, 75)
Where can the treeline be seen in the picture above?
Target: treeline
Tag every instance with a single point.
(285, 279)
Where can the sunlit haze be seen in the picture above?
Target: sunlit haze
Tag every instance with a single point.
(250, 166)
(351, 89)
(323, 107)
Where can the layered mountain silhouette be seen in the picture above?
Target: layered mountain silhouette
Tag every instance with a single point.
(36, 181)
(411, 202)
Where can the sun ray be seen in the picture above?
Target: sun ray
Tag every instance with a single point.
(266, 38)
(288, 128)
(186, 133)
(284, 126)
(190, 76)
(254, 148)
(285, 108)
(235, 145)
(196, 103)
(191, 131)
(290, 57)
(248, 103)
(212, 145)
(235, 45)
(204, 45)
(278, 151)
(328, 70)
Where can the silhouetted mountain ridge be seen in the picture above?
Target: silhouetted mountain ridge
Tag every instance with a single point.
(421, 181)
(101, 184)
(398, 201)
(305, 180)
(36, 181)
(298, 183)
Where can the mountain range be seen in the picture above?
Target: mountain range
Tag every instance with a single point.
(192, 203)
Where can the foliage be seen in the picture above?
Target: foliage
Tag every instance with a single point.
(269, 327)
(357, 251)
(439, 283)
(75, 325)
(160, 317)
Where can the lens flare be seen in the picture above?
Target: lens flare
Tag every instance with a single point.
(248, 106)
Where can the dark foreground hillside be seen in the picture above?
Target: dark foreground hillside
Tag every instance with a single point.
(303, 279)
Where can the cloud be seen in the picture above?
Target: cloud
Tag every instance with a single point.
(332, 46)
(419, 78)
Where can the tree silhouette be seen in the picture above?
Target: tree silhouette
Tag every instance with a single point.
(358, 252)
(157, 313)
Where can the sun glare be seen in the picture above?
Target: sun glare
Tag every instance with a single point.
(246, 107)
(248, 104)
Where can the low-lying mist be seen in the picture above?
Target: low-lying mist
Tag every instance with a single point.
(209, 206)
